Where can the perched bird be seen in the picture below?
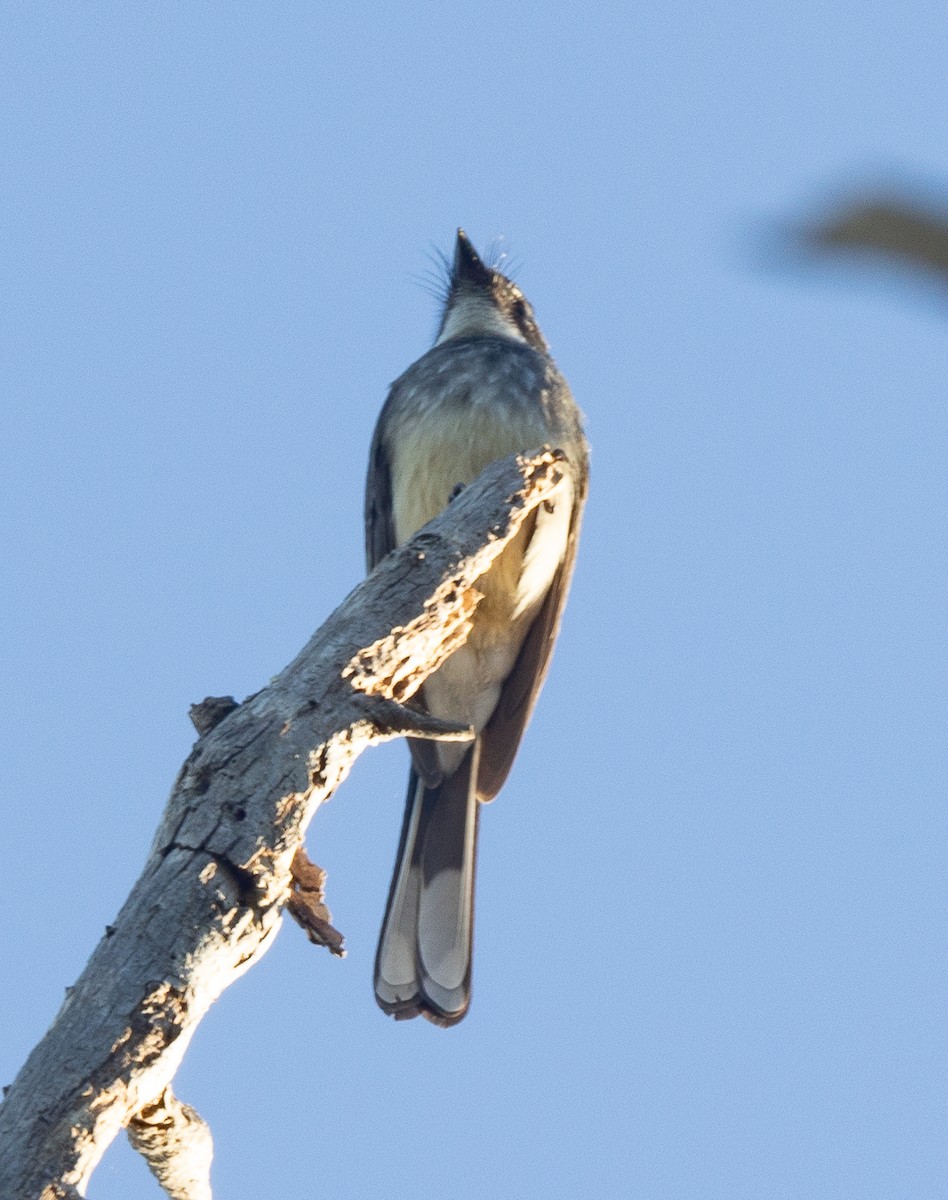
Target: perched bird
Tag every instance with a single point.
(487, 388)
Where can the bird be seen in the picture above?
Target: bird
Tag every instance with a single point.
(488, 387)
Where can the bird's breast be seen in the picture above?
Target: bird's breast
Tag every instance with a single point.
(442, 445)
(437, 444)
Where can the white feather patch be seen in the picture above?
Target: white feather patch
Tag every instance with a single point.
(477, 315)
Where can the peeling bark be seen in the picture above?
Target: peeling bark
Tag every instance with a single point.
(220, 870)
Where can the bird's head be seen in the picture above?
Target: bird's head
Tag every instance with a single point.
(482, 302)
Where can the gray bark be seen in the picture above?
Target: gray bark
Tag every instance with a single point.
(208, 903)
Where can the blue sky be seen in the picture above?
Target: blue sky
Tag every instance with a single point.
(711, 910)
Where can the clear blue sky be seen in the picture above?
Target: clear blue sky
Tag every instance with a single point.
(711, 937)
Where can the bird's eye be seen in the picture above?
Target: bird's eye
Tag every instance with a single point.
(519, 312)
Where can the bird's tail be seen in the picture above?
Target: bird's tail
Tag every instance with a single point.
(423, 963)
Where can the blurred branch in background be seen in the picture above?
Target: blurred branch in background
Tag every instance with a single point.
(892, 226)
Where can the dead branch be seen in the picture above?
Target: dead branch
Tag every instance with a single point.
(208, 903)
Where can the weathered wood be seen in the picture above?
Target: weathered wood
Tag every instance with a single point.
(208, 903)
(176, 1143)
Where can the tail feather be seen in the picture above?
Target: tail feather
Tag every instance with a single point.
(423, 964)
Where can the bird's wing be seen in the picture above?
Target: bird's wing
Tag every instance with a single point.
(501, 736)
(379, 525)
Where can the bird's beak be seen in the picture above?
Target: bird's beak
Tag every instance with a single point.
(468, 267)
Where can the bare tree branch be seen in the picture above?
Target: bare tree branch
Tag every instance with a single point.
(208, 903)
(177, 1145)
